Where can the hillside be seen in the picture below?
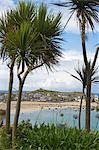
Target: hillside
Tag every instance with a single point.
(44, 91)
(45, 95)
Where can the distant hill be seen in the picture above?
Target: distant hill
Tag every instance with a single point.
(3, 91)
(43, 91)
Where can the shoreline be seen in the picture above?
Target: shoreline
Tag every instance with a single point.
(28, 106)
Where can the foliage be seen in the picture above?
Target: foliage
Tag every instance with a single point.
(45, 137)
(86, 11)
(97, 108)
(23, 36)
(52, 138)
(5, 140)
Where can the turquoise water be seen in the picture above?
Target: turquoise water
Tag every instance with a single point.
(59, 116)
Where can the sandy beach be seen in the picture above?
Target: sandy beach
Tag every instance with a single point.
(27, 106)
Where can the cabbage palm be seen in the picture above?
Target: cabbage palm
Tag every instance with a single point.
(82, 78)
(8, 25)
(90, 68)
(82, 73)
(7, 53)
(36, 44)
(86, 12)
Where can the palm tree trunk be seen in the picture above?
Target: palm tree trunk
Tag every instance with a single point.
(9, 98)
(95, 58)
(79, 117)
(21, 84)
(84, 52)
(88, 105)
(17, 114)
(88, 88)
(16, 117)
(83, 41)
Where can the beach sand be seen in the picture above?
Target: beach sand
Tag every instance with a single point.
(27, 106)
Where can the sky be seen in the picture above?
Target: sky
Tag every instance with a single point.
(57, 80)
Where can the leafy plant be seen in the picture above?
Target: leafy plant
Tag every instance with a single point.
(46, 137)
(5, 140)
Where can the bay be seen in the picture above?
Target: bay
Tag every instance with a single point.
(59, 116)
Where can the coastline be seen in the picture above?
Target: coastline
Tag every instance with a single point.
(28, 106)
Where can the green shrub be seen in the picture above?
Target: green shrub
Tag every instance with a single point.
(5, 140)
(46, 137)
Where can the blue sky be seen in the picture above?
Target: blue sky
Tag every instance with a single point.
(72, 54)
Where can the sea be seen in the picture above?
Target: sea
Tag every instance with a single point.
(67, 117)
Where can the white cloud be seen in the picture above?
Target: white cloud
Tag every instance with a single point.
(73, 25)
(6, 5)
(56, 80)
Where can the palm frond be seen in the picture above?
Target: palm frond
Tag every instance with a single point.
(84, 9)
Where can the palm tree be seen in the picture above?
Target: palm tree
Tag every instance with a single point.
(90, 69)
(82, 78)
(36, 44)
(24, 38)
(8, 24)
(7, 53)
(86, 12)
